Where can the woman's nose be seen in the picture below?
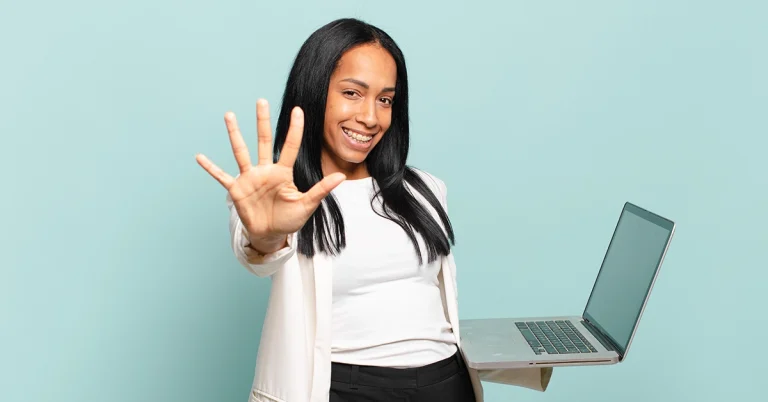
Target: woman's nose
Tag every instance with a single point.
(367, 114)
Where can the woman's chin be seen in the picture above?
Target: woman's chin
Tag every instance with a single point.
(355, 158)
(352, 155)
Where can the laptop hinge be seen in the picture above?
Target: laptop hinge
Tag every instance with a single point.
(605, 340)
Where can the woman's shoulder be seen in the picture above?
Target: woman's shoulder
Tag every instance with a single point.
(436, 184)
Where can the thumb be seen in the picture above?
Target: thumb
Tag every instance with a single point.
(319, 191)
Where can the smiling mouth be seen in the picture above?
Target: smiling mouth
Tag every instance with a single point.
(357, 136)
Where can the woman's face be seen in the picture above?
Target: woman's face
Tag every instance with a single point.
(358, 111)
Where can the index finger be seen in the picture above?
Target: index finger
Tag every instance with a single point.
(293, 138)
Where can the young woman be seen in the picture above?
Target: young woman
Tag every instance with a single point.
(363, 305)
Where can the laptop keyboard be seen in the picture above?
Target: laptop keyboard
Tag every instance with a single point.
(554, 337)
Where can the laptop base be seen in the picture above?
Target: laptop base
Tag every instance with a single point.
(502, 343)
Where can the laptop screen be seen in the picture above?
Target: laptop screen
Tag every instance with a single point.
(627, 273)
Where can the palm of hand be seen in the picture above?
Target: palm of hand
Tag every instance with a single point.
(266, 199)
(268, 202)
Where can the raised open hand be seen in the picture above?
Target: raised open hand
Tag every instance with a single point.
(267, 201)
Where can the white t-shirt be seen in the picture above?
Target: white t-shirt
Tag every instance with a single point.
(387, 309)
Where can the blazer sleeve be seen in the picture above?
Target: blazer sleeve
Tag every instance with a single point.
(258, 264)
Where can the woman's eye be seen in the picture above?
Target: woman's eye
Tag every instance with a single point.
(387, 101)
(350, 93)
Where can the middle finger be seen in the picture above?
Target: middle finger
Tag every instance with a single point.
(264, 131)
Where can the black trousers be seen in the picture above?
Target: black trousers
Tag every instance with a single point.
(443, 381)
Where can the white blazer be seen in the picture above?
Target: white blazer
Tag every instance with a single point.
(294, 359)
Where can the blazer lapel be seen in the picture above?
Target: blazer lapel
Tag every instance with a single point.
(322, 267)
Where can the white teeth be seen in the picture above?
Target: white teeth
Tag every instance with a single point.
(357, 137)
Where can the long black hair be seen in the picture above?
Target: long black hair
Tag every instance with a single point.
(307, 87)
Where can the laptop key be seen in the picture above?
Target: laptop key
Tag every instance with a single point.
(528, 335)
(554, 337)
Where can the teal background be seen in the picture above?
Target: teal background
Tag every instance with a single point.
(118, 282)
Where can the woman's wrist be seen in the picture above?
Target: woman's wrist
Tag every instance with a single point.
(267, 244)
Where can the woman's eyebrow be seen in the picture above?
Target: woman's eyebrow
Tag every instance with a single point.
(366, 86)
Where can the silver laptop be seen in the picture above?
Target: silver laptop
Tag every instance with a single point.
(604, 331)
